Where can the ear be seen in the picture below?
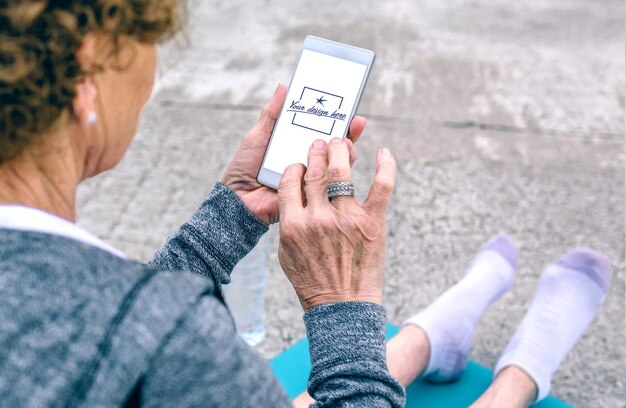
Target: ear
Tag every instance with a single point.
(84, 102)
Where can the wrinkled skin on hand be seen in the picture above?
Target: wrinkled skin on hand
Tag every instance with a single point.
(333, 250)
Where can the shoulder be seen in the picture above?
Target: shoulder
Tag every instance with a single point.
(49, 274)
(52, 263)
(76, 313)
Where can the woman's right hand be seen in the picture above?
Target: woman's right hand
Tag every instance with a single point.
(333, 251)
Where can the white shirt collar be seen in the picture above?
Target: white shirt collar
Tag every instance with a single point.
(23, 218)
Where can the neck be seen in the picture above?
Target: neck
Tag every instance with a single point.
(45, 176)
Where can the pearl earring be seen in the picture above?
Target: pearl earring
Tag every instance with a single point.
(92, 119)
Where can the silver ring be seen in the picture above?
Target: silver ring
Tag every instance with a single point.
(342, 188)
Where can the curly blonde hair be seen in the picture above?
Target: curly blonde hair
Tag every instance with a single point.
(38, 65)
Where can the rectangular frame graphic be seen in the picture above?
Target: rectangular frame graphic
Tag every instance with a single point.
(293, 120)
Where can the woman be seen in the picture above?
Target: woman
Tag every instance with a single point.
(83, 325)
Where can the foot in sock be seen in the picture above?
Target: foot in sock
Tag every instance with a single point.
(449, 321)
(569, 294)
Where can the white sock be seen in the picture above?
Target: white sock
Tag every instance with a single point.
(570, 293)
(449, 321)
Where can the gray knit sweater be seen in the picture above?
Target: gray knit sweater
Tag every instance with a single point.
(80, 326)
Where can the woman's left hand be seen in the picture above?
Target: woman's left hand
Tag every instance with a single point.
(240, 175)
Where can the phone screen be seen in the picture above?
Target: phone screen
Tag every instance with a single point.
(321, 97)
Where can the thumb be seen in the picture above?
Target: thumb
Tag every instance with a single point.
(384, 182)
(270, 112)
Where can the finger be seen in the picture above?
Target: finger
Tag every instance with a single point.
(352, 151)
(384, 181)
(357, 125)
(290, 191)
(271, 110)
(339, 168)
(315, 180)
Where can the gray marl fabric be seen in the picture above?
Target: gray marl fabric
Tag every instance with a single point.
(80, 326)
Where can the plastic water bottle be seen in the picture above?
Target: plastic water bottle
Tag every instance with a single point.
(245, 295)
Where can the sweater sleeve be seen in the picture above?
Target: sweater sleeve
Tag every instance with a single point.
(218, 235)
(347, 347)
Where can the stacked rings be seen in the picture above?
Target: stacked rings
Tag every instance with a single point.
(340, 189)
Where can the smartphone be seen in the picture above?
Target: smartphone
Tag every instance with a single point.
(322, 98)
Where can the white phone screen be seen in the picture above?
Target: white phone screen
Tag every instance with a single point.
(321, 98)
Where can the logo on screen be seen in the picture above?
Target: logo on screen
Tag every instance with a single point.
(317, 110)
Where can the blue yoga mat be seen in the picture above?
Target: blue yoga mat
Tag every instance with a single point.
(293, 366)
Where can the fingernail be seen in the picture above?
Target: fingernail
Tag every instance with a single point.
(348, 142)
(385, 152)
(318, 144)
(335, 140)
(276, 90)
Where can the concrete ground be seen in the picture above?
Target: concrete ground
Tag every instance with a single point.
(503, 116)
